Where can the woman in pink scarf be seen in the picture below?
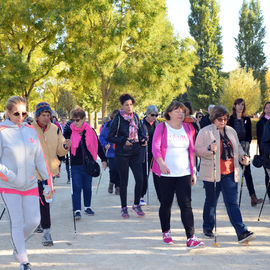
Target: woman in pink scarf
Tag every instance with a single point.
(81, 180)
(127, 133)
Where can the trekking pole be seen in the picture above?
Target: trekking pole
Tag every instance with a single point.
(2, 213)
(215, 198)
(147, 174)
(241, 188)
(263, 200)
(99, 180)
(71, 189)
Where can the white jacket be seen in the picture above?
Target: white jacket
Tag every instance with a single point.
(20, 155)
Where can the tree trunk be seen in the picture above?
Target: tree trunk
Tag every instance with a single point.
(96, 121)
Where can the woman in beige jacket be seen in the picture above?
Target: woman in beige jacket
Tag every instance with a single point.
(221, 140)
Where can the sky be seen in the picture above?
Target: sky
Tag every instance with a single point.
(179, 10)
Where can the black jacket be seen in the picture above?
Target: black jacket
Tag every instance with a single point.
(265, 142)
(119, 133)
(259, 131)
(78, 158)
(247, 125)
(205, 121)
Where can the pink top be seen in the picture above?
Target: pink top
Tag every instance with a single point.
(159, 146)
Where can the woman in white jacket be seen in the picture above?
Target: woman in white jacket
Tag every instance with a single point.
(20, 155)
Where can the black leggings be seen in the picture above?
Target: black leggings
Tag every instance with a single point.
(182, 187)
(45, 220)
(123, 163)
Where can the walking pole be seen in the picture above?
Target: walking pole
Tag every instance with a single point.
(147, 174)
(99, 182)
(71, 189)
(215, 199)
(263, 200)
(241, 188)
(2, 213)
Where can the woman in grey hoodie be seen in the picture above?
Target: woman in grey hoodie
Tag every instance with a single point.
(20, 155)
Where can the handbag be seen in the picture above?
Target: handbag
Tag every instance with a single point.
(257, 159)
(91, 166)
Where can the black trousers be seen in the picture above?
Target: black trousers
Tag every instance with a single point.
(266, 182)
(114, 175)
(182, 187)
(123, 163)
(45, 220)
(249, 180)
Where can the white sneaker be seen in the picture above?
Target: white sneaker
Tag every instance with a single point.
(142, 202)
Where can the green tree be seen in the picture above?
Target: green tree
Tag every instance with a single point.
(31, 40)
(205, 29)
(250, 41)
(66, 101)
(125, 46)
(241, 84)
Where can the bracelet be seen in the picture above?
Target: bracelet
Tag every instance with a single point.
(194, 169)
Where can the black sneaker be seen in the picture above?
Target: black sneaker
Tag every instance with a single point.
(89, 212)
(39, 229)
(208, 234)
(246, 236)
(25, 266)
(77, 215)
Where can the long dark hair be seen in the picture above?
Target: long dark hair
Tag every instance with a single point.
(238, 101)
(263, 113)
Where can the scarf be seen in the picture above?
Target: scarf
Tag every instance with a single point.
(133, 128)
(266, 117)
(90, 139)
(227, 151)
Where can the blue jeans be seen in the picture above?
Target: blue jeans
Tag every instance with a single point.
(81, 180)
(229, 189)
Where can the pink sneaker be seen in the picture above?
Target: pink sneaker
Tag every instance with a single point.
(193, 242)
(138, 210)
(167, 238)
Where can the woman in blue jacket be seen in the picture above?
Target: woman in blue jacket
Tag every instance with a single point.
(110, 153)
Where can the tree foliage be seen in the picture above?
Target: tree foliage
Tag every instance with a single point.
(205, 29)
(250, 41)
(31, 40)
(126, 46)
(241, 84)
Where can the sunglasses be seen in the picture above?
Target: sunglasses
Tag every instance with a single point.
(23, 114)
(154, 115)
(221, 119)
(76, 120)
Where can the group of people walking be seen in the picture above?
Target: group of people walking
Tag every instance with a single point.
(173, 150)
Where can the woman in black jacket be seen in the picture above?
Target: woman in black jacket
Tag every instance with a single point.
(242, 125)
(127, 133)
(259, 129)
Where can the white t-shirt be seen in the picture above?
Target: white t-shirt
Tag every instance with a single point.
(177, 155)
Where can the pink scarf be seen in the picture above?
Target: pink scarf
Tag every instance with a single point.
(133, 129)
(90, 139)
(266, 117)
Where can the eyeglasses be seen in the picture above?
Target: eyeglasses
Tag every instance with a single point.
(76, 120)
(221, 119)
(23, 114)
(154, 115)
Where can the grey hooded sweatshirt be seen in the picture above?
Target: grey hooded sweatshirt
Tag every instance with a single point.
(20, 155)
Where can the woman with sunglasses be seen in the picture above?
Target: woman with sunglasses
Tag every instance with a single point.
(173, 151)
(127, 133)
(220, 151)
(81, 180)
(20, 155)
(242, 125)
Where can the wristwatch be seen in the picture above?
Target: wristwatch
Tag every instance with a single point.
(209, 147)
